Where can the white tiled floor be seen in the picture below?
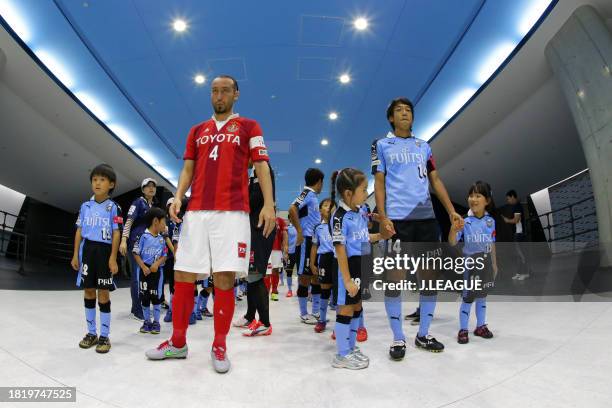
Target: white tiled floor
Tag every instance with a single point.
(543, 355)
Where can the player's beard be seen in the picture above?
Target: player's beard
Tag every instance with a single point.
(221, 109)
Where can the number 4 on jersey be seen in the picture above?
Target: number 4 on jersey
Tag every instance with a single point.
(214, 153)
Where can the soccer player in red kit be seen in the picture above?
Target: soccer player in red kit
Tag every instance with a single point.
(215, 234)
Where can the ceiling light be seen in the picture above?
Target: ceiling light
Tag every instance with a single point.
(318, 161)
(345, 78)
(432, 130)
(146, 156)
(199, 79)
(333, 116)
(493, 61)
(324, 142)
(164, 172)
(179, 25)
(458, 101)
(123, 134)
(360, 23)
(532, 15)
(580, 93)
(93, 105)
(14, 19)
(55, 67)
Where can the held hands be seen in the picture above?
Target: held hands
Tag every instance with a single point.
(267, 218)
(175, 209)
(75, 263)
(387, 230)
(457, 221)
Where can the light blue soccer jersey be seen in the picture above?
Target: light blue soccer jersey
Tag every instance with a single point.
(98, 220)
(406, 163)
(307, 204)
(350, 228)
(292, 237)
(322, 238)
(150, 247)
(477, 235)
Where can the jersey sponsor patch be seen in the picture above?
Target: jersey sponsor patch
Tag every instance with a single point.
(131, 210)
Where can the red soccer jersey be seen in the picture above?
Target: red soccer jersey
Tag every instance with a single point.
(220, 179)
(281, 226)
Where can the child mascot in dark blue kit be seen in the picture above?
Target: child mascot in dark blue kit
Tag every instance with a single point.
(96, 243)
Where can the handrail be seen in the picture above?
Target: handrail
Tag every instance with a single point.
(571, 220)
(20, 238)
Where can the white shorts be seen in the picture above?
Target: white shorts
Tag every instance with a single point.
(276, 259)
(214, 241)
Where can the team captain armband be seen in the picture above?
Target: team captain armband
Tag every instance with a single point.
(117, 220)
(258, 148)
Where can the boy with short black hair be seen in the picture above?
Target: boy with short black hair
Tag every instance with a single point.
(304, 215)
(150, 252)
(96, 243)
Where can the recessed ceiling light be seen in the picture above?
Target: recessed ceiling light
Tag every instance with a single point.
(580, 93)
(333, 116)
(199, 79)
(318, 161)
(345, 78)
(54, 64)
(324, 142)
(93, 105)
(179, 25)
(360, 23)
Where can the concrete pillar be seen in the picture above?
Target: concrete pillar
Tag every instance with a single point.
(580, 55)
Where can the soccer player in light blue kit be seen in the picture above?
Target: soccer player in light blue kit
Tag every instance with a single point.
(304, 215)
(96, 243)
(478, 237)
(351, 240)
(404, 169)
(150, 253)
